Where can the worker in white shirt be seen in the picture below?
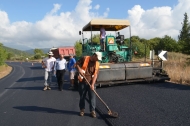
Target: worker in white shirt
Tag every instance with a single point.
(59, 69)
(48, 64)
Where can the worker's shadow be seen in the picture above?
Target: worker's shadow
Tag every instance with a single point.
(33, 79)
(27, 88)
(45, 110)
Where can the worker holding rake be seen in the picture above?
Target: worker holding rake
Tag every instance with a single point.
(88, 66)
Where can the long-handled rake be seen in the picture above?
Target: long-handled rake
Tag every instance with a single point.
(110, 112)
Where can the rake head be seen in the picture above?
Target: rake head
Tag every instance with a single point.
(113, 114)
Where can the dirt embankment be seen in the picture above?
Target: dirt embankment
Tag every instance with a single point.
(5, 70)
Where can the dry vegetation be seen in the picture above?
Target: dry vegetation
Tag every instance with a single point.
(178, 68)
(5, 70)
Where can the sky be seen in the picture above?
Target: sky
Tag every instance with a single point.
(54, 23)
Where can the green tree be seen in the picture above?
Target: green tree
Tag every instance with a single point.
(3, 54)
(37, 56)
(78, 48)
(38, 51)
(169, 44)
(139, 46)
(184, 36)
(10, 55)
(96, 38)
(153, 43)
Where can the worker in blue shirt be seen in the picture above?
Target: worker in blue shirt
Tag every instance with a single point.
(59, 69)
(72, 70)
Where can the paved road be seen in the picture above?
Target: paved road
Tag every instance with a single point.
(22, 102)
(159, 104)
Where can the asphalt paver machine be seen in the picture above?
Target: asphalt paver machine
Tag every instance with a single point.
(116, 66)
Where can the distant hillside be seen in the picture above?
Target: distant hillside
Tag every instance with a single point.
(31, 51)
(16, 51)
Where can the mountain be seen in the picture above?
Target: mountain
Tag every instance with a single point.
(15, 46)
(30, 51)
(16, 51)
(24, 53)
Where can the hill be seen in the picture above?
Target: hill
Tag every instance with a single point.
(16, 52)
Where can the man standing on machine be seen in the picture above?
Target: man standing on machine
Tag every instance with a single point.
(89, 67)
(102, 37)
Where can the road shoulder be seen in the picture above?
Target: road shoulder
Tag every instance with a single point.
(5, 70)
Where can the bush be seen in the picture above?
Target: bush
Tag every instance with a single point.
(37, 56)
(3, 55)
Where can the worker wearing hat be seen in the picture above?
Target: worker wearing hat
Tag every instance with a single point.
(48, 65)
(89, 67)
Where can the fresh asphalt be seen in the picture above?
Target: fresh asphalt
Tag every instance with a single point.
(22, 102)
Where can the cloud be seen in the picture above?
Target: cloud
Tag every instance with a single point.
(4, 18)
(97, 7)
(106, 12)
(55, 9)
(158, 21)
(55, 29)
(61, 28)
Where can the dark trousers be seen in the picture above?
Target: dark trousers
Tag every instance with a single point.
(83, 89)
(60, 78)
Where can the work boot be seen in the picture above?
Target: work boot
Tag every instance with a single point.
(45, 88)
(48, 88)
(93, 114)
(82, 112)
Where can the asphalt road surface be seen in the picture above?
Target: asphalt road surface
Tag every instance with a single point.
(22, 102)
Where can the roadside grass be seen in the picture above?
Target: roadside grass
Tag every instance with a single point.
(178, 68)
(5, 70)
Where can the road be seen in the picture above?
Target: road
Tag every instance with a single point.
(22, 102)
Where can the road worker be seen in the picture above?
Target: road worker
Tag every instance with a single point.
(48, 64)
(89, 67)
(71, 67)
(59, 70)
